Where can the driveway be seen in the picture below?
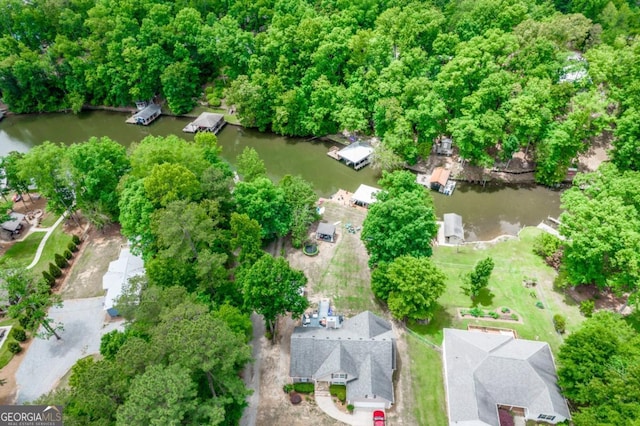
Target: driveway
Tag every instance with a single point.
(47, 361)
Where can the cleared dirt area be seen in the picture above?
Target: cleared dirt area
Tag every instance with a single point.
(98, 249)
(340, 272)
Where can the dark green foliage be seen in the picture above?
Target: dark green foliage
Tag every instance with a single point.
(76, 240)
(55, 271)
(587, 307)
(303, 387)
(476, 312)
(559, 323)
(539, 305)
(598, 371)
(339, 391)
(49, 279)
(546, 245)
(67, 254)
(494, 314)
(72, 247)
(61, 262)
(19, 334)
(14, 347)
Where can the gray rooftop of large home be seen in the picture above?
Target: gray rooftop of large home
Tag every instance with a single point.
(13, 224)
(483, 370)
(453, 225)
(363, 348)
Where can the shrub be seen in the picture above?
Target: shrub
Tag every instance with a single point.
(505, 310)
(295, 398)
(303, 387)
(494, 315)
(213, 100)
(476, 312)
(14, 347)
(350, 408)
(288, 388)
(54, 271)
(339, 391)
(72, 247)
(539, 305)
(208, 90)
(559, 323)
(545, 245)
(587, 307)
(67, 254)
(76, 240)
(514, 317)
(24, 321)
(48, 278)
(18, 334)
(61, 261)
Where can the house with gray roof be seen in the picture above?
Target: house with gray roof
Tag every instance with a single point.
(361, 355)
(485, 372)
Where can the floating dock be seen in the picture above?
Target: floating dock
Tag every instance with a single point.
(206, 122)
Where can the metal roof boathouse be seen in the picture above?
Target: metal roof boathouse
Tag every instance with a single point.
(206, 122)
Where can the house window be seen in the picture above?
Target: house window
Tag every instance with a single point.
(338, 375)
(546, 417)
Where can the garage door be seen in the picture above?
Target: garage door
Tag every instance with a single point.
(362, 404)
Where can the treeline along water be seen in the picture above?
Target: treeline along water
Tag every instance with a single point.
(487, 212)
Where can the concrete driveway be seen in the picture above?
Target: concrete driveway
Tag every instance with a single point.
(47, 361)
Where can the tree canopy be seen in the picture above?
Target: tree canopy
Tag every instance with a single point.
(497, 75)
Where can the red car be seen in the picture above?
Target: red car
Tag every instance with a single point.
(378, 418)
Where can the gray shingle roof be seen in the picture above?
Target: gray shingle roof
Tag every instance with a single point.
(326, 228)
(14, 223)
(483, 370)
(363, 348)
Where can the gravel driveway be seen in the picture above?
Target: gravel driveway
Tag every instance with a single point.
(48, 360)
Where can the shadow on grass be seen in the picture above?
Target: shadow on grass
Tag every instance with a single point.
(484, 298)
(433, 330)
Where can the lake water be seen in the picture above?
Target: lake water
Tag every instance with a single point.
(486, 211)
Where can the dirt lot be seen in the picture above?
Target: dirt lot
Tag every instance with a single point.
(92, 261)
(339, 272)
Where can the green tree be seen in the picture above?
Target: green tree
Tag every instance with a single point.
(301, 200)
(389, 222)
(414, 285)
(246, 235)
(271, 288)
(135, 215)
(265, 202)
(170, 182)
(250, 165)
(238, 321)
(478, 279)
(180, 85)
(163, 395)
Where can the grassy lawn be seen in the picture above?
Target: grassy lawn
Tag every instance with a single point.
(5, 354)
(48, 220)
(429, 406)
(514, 261)
(57, 243)
(23, 251)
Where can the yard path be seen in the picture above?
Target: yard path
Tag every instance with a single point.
(49, 231)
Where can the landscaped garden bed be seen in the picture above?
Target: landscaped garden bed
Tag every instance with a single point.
(498, 314)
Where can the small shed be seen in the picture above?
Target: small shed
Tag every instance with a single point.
(444, 146)
(206, 122)
(146, 116)
(365, 195)
(453, 231)
(116, 280)
(439, 178)
(326, 232)
(14, 225)
(356, 155)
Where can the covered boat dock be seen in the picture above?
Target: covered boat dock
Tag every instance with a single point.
(146, 116)
(206, 122)
(356, 155)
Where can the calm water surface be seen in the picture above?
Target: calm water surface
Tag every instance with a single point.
(486, 212)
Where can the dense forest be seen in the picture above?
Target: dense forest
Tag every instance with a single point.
(497, 75)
